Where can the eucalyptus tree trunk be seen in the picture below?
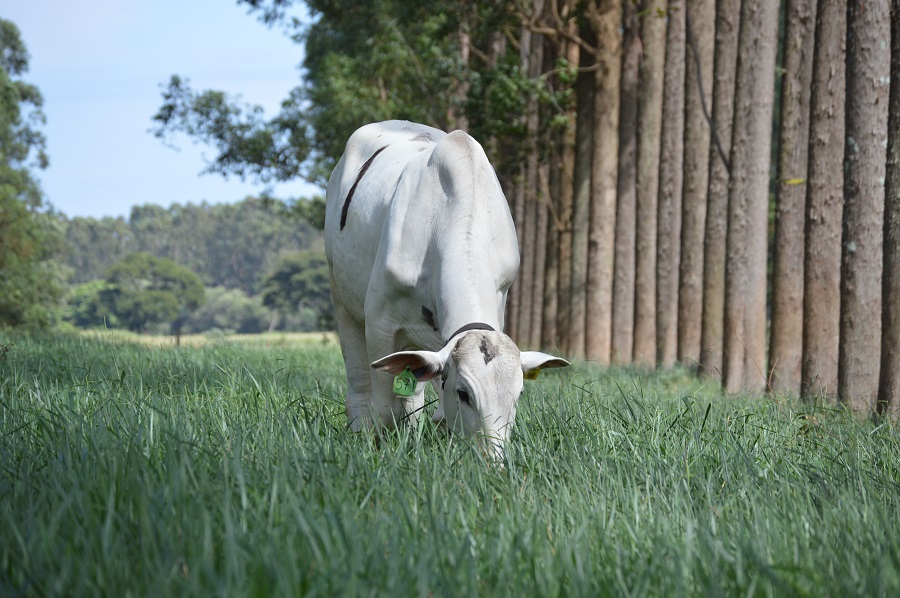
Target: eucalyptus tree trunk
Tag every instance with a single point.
(566, 192)
(786, 338)
(650, 98)
(700, 21)
(530, 46)
(748, 199)
(607, 21)
(623, 279)
(552, 173)
(671, 176)
(889, 385)
(536, 208)
(581, 200)
(550, 176)
(712, 337)
(868, 70)
(824, 205)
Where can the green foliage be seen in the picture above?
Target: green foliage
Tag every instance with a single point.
(311, 210)
(228, 245)
(87, 307)
(367, 62)
(228, 470)
(229, 310)
(31, 284)
(301, 280)
(144, 290)
(248, 145)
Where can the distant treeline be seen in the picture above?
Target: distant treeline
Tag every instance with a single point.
(226, 245)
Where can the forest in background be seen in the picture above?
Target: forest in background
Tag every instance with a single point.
(710, 183)
(239, 252)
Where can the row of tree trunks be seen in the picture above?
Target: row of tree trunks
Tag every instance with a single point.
(645, 221)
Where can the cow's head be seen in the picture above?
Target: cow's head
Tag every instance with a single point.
(482, 376)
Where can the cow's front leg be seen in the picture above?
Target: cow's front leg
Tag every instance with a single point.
(352, 335)
(390, 408)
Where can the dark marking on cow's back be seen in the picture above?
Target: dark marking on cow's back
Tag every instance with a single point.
(429, 318)
(359, 177)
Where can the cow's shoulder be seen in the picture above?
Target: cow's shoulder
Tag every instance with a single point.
(462, 165)
(371, 138)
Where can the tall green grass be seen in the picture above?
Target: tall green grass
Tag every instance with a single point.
(228, 470)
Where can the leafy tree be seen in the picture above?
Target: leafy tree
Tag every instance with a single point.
(364, 62)
(146, 290)
(86, 307)
(31, 283)
(299, 281)
(229, 310)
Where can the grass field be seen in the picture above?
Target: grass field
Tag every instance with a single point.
(226, 469)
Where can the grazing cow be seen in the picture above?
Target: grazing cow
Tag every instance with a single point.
(422, 250)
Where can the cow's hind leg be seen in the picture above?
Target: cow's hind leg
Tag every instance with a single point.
(359, 380)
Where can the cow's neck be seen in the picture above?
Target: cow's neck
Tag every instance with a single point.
(468, 305)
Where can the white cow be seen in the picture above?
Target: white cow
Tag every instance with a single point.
(422, 250)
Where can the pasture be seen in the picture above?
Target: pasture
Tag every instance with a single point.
(226, 469)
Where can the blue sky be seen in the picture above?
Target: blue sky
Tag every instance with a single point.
(99, 65)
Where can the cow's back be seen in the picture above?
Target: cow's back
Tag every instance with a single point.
(402, 198)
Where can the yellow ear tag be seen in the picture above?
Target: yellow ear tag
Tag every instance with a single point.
(531, 374)
(405, 383)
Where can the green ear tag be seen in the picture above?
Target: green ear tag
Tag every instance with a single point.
(405, 383)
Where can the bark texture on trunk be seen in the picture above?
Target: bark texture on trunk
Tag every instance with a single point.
(607, 22)
(623, 280)
(824, 205)
(668, 224)
(712, 336)
(566, 193)
(700, 19)
(748, 199)
(581, 201)
(650, 95)
(868, 71)
(786, 339)
(889, 385)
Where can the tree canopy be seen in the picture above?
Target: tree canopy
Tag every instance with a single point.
(229, 245)
(443, 63)
(300, 281)
(145, 290)
(30, 281)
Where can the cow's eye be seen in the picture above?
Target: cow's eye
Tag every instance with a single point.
(464, 396)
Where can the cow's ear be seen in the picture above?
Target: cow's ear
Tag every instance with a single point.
(534, 361)
(425, 365)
